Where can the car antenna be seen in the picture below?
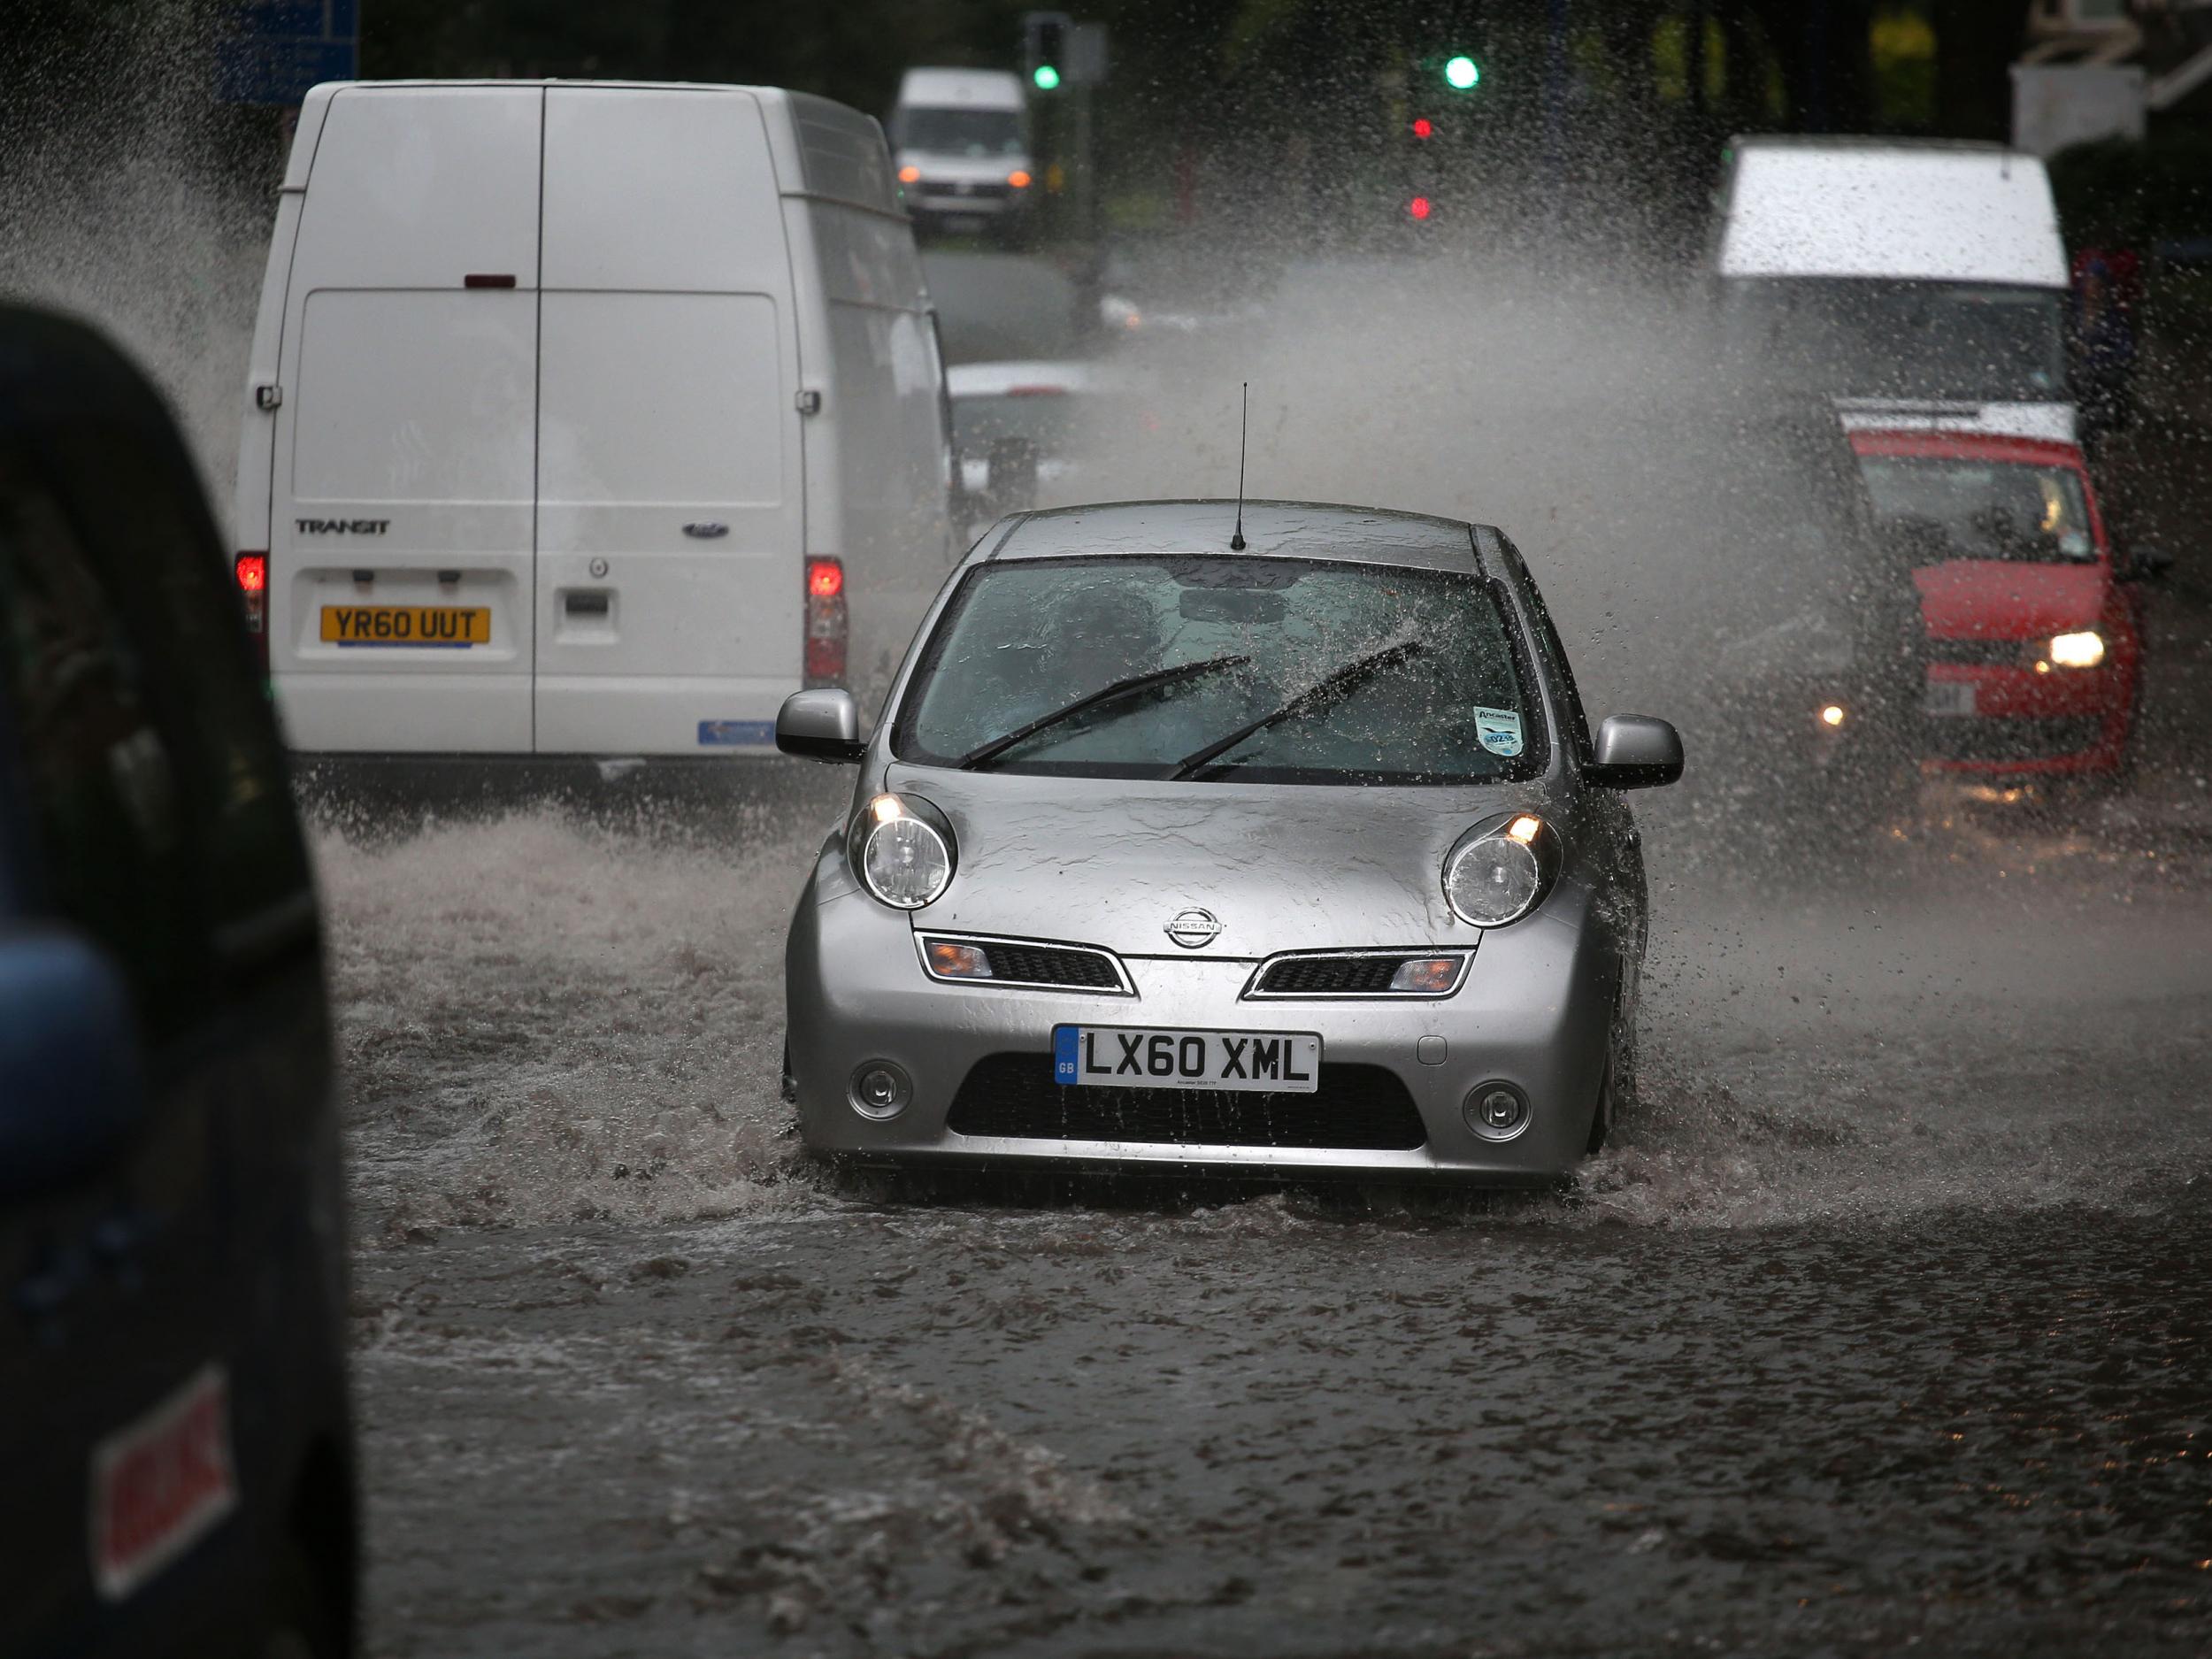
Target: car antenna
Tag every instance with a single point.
(1244, 423)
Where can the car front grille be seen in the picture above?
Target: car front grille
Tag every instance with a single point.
(1357, 1107)
(1356, 973)
(1019, 962)
(1988, 738)
(1049, 965)
(1980, 652)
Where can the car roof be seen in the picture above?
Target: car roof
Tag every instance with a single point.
(55, 370)
(1301, 529)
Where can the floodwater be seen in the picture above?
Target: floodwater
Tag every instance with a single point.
(1884, 1320)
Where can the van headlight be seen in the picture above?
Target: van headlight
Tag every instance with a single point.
(2084, 650)
(1499, 870)
(901, 849)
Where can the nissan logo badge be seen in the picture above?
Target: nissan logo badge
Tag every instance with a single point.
(1195, 928)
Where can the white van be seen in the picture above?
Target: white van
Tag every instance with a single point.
(1897, 268)
(586, 419)
(962, 143)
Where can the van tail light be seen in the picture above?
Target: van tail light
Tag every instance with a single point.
(827, 628)
(252, 571)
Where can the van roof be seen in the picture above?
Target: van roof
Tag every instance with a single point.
(819, 148)
(979, 89)
(1903, 209)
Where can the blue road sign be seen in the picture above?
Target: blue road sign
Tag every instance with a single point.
(278, 48)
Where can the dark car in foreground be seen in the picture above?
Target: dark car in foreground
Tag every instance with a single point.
(174, 1417)
(1269, 840)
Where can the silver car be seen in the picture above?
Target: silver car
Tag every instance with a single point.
(1273, 844)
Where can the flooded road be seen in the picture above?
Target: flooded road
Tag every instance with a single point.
(1884, 1319)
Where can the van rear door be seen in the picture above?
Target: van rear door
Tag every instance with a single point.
(401, 578)
(669, 499)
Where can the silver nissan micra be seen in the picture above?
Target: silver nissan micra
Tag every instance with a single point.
(1268, 839)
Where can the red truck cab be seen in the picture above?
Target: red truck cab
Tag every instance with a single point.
(2035, 643)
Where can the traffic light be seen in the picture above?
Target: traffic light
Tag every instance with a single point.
(1044, 44)
(1462, 73)
(1424, 128)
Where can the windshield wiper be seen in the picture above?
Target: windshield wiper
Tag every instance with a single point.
(1135, 683)
(1324, 692)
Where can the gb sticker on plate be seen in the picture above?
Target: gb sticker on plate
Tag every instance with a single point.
(159, 1483)
(1499, 730)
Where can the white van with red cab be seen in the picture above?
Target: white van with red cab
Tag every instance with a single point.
(585, 419)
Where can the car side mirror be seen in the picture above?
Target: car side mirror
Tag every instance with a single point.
(2146, 564)
(823, 724)
(1635, 751)
(71, 1087)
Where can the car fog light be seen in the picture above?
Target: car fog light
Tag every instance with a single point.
(1496, 1111)
(1427, 976)
(880, 1090)
(950, 960)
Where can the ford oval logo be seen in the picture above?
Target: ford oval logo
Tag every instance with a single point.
(1193, 928)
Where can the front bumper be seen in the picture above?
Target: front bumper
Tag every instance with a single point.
(2025, 724)
(928, 200)
(1535, 1009)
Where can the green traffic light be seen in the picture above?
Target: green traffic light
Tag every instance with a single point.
(1045, 76)
(1461, 73)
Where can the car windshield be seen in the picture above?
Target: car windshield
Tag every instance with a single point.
(1344, 673)
(1934, 339)
(974, 133)
(1955, 508)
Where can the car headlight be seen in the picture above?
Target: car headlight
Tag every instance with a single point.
(2084, 650)
(902, 849)
(1498, 870)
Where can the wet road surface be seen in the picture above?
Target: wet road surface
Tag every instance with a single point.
(1885, 1319)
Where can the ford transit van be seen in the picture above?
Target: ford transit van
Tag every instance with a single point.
(1893, 268)
(585, 419)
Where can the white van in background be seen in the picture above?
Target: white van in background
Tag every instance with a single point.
(960, 138)
(586, 419)
(1887, 269)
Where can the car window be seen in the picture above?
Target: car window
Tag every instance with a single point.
(108, 836)
(948, 132)
(1958, 507)
(141, 507)
(1902, 338)
(1428, 686)
(1555, 653)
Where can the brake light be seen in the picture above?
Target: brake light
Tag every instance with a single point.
(827, 629)
(252, 572)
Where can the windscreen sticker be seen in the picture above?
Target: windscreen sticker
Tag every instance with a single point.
(1499, 730)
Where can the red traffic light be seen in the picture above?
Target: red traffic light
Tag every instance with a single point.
(1424, 128)
(1420, 207)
